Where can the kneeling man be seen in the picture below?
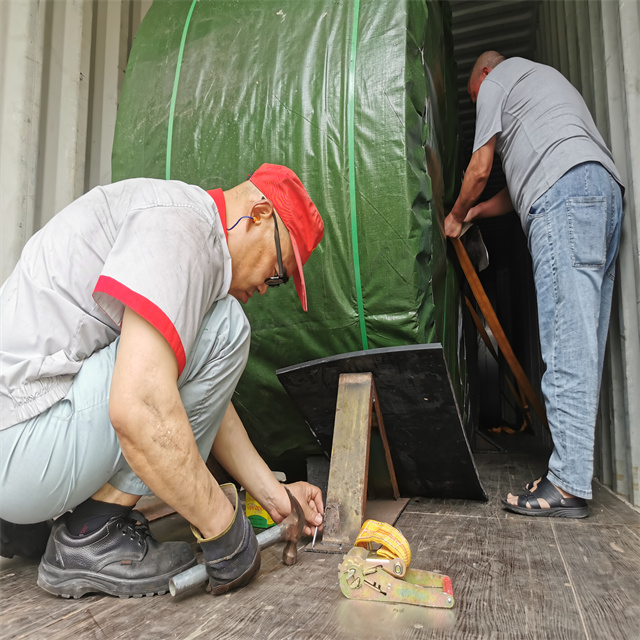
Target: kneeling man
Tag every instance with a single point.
(122, 343)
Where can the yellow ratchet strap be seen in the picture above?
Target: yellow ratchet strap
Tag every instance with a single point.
(394, 544)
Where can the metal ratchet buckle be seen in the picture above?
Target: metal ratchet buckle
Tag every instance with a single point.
(368, 576)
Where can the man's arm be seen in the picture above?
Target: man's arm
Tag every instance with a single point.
(236, 453)
(498, 205)
(149, 418)
(475, 180)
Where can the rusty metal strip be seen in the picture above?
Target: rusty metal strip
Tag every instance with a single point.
(378, 422)
(495, 326)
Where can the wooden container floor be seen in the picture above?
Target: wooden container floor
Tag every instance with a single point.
(513, 577)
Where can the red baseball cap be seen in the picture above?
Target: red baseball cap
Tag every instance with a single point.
(295, 208)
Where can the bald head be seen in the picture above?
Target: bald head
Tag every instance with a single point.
(485, 63)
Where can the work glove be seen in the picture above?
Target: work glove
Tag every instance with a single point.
(233, 557)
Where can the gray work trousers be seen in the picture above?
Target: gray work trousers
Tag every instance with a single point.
(53, 462)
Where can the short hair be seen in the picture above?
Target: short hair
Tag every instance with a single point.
(489, 59)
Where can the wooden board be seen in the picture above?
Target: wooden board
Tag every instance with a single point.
(513, 577)
(428, 445)
(385, 510)
(152, 508)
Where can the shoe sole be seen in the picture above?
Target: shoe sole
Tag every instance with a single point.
(76, 583)
(555, 512)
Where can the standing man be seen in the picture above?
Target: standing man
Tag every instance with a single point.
(122, 343)
(562, 181)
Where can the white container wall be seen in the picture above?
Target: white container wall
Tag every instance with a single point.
(596, 45)
(63, 64)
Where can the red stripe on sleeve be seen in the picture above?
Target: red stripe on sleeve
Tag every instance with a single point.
(148, 310)
(218, 198)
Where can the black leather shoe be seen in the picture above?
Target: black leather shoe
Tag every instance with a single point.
(24, 540)
(121, 559)
(233, 557)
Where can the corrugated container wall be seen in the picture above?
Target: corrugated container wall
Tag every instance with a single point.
(62, 68)
(62, 64)
(596, 45)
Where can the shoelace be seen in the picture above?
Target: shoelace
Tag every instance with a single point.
(136, 526)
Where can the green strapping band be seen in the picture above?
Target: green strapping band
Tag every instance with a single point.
(352, 171)
(174, 95)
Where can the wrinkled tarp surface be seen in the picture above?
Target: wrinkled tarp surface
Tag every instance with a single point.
(265, 81)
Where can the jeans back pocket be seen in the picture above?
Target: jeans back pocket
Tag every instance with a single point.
(587, 219)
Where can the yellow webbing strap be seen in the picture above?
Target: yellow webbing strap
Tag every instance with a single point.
(394, 544)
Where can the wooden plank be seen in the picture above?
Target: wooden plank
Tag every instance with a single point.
(500, 474)
(513, 577)
(633, 532)
(347, 493)
(508, 577)
(603, 565)
(27, 611)
(378, 422)
(504, 473)
(152, 508)
(385, 510)
(493, 322)
(607, 509)
(80, 624)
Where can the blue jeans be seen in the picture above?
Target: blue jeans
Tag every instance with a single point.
(573, 231)
(55, 461)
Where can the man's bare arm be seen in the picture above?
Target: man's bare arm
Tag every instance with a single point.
(475, 180)
(234, 450)
(498, 205)
(149, 418)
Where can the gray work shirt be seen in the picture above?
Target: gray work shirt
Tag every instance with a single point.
(156, 246)
(544, 128)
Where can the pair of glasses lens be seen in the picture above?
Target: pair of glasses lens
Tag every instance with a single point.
(281, 277)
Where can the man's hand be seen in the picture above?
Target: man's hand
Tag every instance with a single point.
(498, 205)
(452, 228)
(235, 452)
(475, 179)
(310, 499)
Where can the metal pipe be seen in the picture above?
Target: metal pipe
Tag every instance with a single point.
(194, 577)
(187, 580)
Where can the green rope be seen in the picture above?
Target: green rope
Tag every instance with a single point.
(352, 171)
(174, 95)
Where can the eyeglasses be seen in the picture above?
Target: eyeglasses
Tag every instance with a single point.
(282, 277)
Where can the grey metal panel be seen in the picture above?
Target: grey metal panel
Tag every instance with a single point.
(22, 46)
(62, 67)
(480, 26)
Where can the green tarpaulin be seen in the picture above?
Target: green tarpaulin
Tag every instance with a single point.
(359, 99)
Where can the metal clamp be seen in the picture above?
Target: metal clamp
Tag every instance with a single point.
(366, 576)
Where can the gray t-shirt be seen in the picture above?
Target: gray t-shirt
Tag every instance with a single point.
(544, 128)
